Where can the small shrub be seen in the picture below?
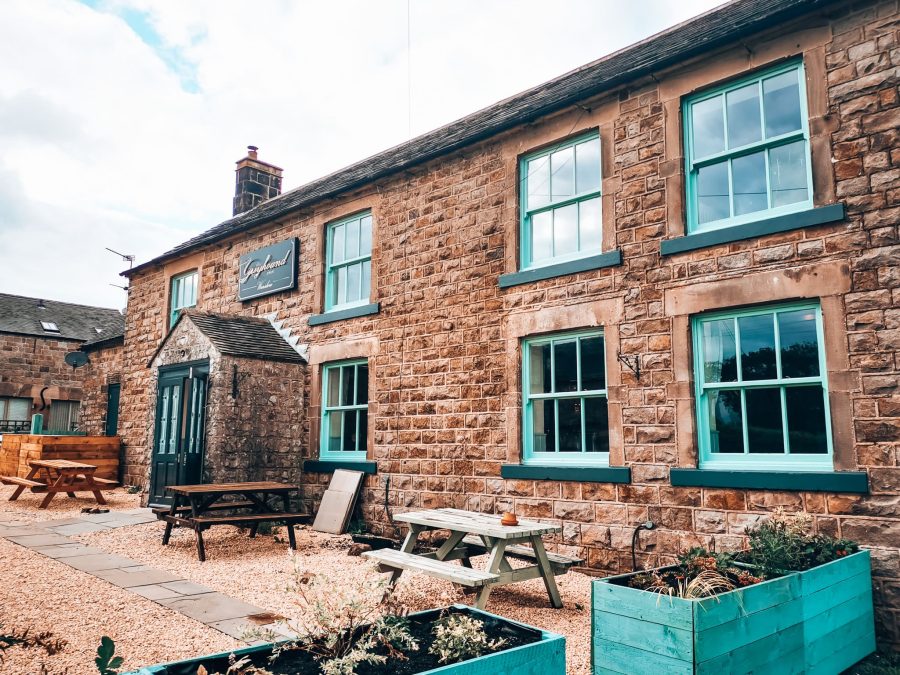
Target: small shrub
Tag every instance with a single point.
(133, 489)
(29, 640)
(458, 637)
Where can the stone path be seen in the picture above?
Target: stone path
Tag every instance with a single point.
(225, 614)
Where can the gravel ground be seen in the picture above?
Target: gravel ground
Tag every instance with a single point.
(41, 594)
(26, 508)
(258, 571)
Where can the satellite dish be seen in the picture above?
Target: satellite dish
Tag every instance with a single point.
(76, 359)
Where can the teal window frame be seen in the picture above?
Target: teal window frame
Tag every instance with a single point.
(525, 250)
(556, 458)
(182, 295)
(357, 455)
(783, 461)
(332, 269)
(692, 167)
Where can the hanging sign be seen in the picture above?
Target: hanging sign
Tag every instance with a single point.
(268, 270)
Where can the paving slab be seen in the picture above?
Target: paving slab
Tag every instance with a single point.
(61, 521)
(154, 592)
(186, 587)
(210, 607)
(66, 550)
(78, 528)
(98, 562)
(238, 628)
(138, 575)
(9, 530)
(35, 540)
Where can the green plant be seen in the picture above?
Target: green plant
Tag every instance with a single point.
(29, 640)
(107, 662)
(133, 489)
(357, 526)
(458, 637)
(243, 666)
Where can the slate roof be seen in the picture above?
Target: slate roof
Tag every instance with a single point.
(23, 316)
(242, 336)
(716, 28)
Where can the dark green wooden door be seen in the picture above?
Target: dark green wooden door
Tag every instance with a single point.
(113, 391)
(180, 430)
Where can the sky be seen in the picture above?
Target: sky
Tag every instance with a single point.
(121, 120)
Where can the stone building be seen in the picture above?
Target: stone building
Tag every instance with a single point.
(663, 286)
(35, 337)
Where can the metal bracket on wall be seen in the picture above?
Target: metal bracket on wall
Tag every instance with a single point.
(632, 363)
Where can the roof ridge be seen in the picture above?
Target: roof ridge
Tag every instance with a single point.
(60, 302)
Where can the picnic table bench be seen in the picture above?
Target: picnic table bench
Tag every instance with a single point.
(200, 507)
(473, 534)
(53, 476)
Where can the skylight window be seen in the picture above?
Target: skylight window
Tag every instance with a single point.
(49, 327)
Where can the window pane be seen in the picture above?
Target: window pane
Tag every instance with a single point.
(806, 420)
(362, 384)
(712, 192)
(787, 173)
(539, 369)
(348, 381)
(743, 116)
(708, 127)
(764, 426)
(719, 355)
(587, 166)
(366, 285)
(596, 424)
(365, 235)
(538, 181)
(335, 420)
(18, 409)
(340, 286)
(349, 443)
(569, 425)
(334, 387)
(544, 426)
(565, 230)
(726, 434)
(748, 177)
(799, 343)
(593, 371)
(590, 224)
(566, 366)
(353, 279)
(542, 235)
(757, 347)
(562, 173)
(352, 247)
(781, 95)
(337, 243)
(363, 437)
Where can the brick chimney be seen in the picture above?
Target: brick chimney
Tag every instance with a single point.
(256, 181)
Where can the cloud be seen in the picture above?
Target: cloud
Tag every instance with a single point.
(121, 120)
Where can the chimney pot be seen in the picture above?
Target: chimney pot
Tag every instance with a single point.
(255, 181)
(252, 151)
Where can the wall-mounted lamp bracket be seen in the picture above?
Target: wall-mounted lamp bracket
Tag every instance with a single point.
(633, 363)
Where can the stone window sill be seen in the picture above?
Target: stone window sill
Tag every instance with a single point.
(792, 221)
(341, 314)
(594, 262)
(582, 474)
(329, 466)
(856, 482)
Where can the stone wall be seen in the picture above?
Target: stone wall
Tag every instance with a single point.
(103, 368)
(29, 365)
(445, 393)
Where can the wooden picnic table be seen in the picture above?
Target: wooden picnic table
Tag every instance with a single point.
(199, 507)
(58, 475)
(475, 534)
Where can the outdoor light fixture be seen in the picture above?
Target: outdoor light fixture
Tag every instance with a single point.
(647, 525)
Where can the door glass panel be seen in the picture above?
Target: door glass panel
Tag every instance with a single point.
(590, 224)
(587, 166)
(806, 420)
(539, 369)
(542, 235)
(787, 173)
(596, 424)
(562, 173)
(743, 116)
(757, 347)
(566, 366)
(708, 127)
(175, 411)
(544, 426)
(565, 230)
(712, 192)
(726, 429)
(782, 103)
(764, 425)
(748, 176)
(593, 371)
(538, 181)
(161, 442)
(719, 355)
(799, 343)
(569, 425)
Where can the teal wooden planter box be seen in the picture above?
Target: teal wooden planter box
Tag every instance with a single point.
(545, 657)
(818, 621)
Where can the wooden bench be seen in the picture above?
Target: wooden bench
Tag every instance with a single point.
(559, 563)
(24, 482)
(389, 560)
(221, 506)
